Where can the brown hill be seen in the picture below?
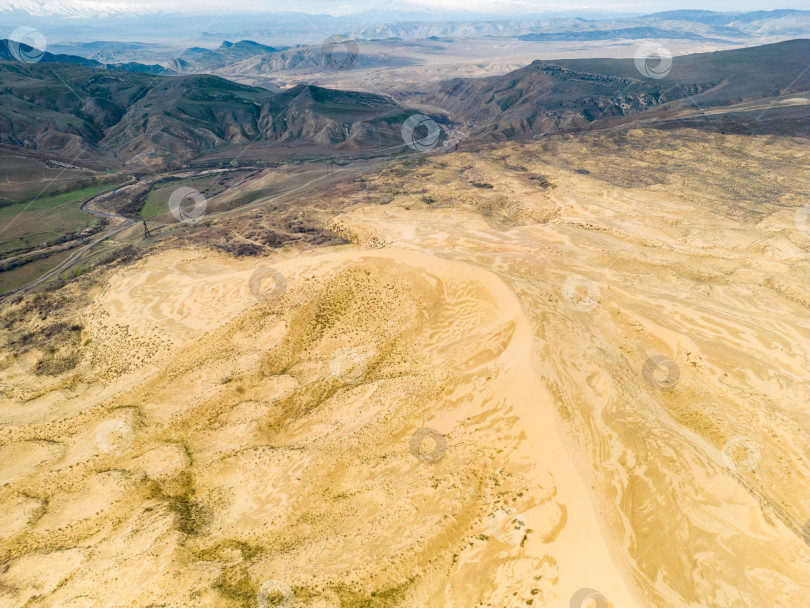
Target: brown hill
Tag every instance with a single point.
(548, 96)
(84, 113)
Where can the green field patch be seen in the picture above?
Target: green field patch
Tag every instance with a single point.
(38, 221)
(23, 178)
(54, 202)
(22, 275)
(157, 201)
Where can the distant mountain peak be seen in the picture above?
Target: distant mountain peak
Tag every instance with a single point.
(78, 8)
(462, 6)
(429, 9)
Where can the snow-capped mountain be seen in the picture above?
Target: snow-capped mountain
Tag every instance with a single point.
(393, 9)
(464, 7)
(77, 8)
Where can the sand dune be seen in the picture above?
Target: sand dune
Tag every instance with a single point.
(236, 431)
(504, 397)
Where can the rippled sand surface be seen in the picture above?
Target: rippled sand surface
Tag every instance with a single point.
(565, 373)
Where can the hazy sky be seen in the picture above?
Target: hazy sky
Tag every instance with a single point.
(342, 7)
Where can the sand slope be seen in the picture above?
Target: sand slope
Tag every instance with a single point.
(453, 411)
(238, 456)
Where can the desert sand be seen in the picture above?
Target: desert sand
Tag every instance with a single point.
(540, 368)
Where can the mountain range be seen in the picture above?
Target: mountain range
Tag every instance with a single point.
(90, 21)
(48, 57)
(549, 96)
(80, 112)
(392, 9)
(255, 62)
(198, 59)
(68, 109)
